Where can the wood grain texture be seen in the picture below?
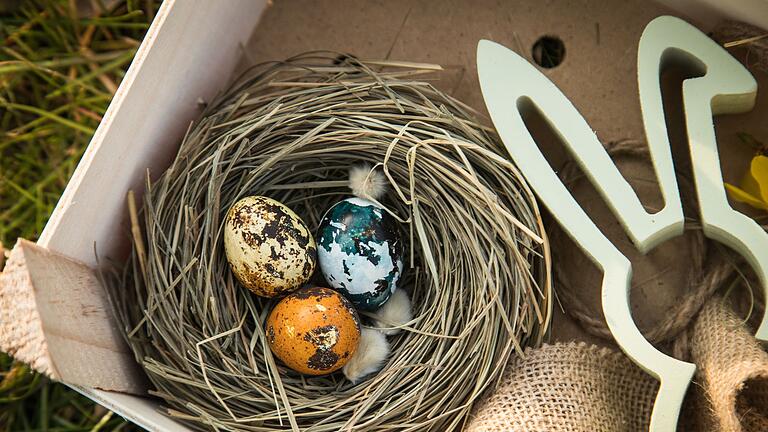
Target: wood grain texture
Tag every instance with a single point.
(21, 332)
(56, 317)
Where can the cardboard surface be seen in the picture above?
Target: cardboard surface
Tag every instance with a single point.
(598, 74)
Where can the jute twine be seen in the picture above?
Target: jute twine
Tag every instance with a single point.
(702, 281)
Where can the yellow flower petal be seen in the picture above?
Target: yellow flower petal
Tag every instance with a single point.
(759, 171)
(745, 197)
(749, 185)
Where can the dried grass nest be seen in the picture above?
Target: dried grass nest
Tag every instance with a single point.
(477, 264)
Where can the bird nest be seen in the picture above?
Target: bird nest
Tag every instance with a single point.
(476, 266)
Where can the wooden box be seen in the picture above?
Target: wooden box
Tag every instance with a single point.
(193, 48)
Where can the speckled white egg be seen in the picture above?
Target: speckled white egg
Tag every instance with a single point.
(269, 248)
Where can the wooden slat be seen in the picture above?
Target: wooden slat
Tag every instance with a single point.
(55, 315)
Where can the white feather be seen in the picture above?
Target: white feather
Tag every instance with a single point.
(367, 183)
(372, 352)
(396, 312)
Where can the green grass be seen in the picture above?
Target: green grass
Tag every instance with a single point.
(59, 66)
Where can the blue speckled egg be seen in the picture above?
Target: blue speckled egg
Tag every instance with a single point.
(360, 252)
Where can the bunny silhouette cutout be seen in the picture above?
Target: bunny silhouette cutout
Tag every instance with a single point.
(511, 87)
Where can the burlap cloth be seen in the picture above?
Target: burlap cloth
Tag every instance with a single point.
(579, 387)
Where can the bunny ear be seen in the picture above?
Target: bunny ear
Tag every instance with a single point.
(511, 87)
(726, 87)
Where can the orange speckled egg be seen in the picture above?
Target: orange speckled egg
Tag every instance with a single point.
(314, 330)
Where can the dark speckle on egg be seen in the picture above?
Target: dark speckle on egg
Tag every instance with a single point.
(322, 360)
